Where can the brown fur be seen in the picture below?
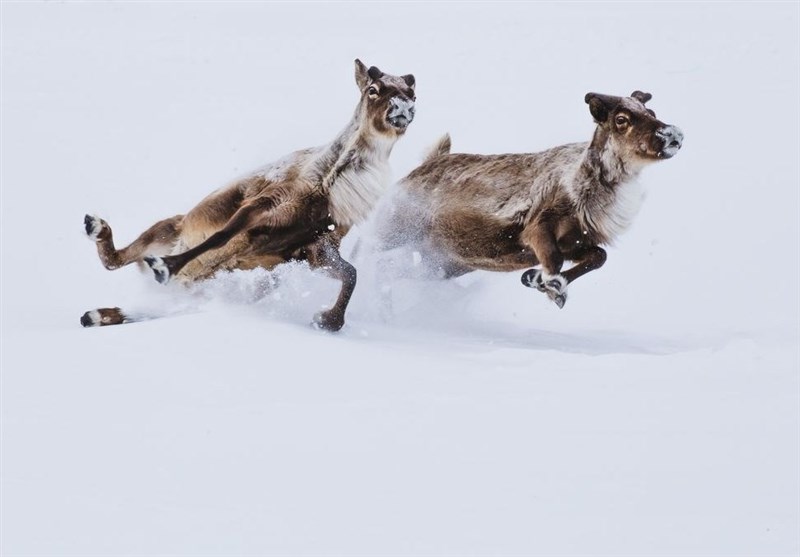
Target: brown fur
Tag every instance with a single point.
(298, 208)
(509, 212)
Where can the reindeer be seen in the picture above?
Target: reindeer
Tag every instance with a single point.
(298, 208)
(464, 212)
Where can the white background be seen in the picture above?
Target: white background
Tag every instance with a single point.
(656, 414)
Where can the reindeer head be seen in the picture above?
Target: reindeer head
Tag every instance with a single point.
(387, 100)
(634, 129)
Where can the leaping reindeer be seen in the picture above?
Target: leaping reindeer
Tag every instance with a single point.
(509, 212)
(298, 208)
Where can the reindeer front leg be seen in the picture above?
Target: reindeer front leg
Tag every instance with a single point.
(540, 236)
(324, 255)
(586, 260)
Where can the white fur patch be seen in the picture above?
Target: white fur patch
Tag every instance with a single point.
(157, 264)
(617, 218)
(548, 280)
(356, 192)
(160, 269)
(610, 213)
(94, 316)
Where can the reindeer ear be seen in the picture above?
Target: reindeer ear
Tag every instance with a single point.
(641, 97)
(374, 73)
(410, 81)
(597, 107)
(362, 78)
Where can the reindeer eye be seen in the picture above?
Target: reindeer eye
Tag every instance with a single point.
(372, 90)
(621, 120)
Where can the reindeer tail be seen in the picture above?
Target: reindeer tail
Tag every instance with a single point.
(440, 148)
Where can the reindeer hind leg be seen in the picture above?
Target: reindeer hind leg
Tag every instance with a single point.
(163, 233)
(102, 317)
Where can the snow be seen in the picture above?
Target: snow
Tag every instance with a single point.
(658, 413)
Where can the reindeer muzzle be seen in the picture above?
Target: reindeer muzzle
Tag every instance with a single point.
(401, 113)
(672, 139)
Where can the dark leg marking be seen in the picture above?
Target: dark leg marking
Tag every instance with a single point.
(592, 258)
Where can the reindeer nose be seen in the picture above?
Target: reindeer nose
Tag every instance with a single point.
(672, 136)
(402, 107)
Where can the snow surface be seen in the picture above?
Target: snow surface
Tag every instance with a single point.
(656, 414)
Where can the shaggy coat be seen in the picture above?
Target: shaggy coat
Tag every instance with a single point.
(298, 208)
(510, 212)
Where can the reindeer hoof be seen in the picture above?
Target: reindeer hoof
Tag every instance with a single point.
(90, 319)
(556, 289)
(555, 286)
(532, 278)
(159, 267)
(95, 226)
(559, 299)
(328, 320)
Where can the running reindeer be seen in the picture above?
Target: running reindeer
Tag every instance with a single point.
(298, 208)
(509, 212)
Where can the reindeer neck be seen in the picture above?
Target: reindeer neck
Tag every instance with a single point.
(354, 171)
(605, 190)
(604, 164)
(327, 156)
(355, 141)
